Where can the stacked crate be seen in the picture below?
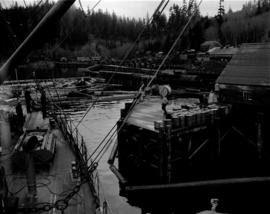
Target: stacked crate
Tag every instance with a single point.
(196, 116)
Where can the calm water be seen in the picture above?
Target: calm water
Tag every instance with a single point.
(95, 126)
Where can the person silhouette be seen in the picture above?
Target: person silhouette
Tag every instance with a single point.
(43, 103)
(28, 99)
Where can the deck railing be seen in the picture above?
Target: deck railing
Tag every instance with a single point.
(77, 144)
(71, 134)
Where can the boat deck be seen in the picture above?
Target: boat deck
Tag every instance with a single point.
(52, 183)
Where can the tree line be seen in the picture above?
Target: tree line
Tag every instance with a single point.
(100, 32)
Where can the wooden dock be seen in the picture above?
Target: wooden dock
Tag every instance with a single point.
(145, 113)
(197, 151)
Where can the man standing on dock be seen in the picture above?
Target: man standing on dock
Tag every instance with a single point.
(28, 100)
(43, 103)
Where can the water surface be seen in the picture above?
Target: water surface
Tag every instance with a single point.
(94, 127)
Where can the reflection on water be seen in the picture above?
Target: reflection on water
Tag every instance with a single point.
(95, 126)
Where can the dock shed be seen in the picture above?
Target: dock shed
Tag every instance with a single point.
(225, 53)
(246, 78)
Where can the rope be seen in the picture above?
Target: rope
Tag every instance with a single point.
(149, 83)
(64, 39)
(24, 3)
(56, 47)
(105, 148)
(173, 46)
(114, 133)
(59, 44)
(73, 191)
(96, 5)
(90, 157)
(80, 3)
(126, 55)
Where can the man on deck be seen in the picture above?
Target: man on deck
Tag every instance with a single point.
(20, 116)
(28, 100)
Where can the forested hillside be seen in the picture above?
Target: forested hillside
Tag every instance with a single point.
(88, 33)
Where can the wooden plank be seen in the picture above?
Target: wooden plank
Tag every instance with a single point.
(206, 183)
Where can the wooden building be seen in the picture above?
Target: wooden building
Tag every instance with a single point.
(246, 78)
(225, 53)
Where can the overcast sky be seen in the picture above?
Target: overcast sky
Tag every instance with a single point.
(139, 8)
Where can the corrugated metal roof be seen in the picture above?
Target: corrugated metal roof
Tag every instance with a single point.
(250, 66)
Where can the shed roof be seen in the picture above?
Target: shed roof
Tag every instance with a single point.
(249, 66)
(205, 46)
(223, 51)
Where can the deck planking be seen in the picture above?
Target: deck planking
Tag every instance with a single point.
(146, 112)
(52, 182)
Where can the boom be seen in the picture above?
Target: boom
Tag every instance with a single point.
(55, 13)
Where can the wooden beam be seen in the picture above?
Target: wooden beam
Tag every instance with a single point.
(168, 127)
(161, 136)
(260, 134)
(205, 183)
(198, 149)
(244, 137)
(113, 153)
(118, 174)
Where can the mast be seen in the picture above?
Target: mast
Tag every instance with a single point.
(54, 14)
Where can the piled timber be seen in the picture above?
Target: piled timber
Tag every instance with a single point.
(195, 116)
(194, 150)
(158, 144)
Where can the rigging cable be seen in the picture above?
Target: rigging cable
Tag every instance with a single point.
(173, 46)
(134, 103)
(149, 83)
(59, 44)
(95, 5)
(80, 3)
(57, 205)
(61, 204)
(68, 34)
(24, 3)
(156, 12)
